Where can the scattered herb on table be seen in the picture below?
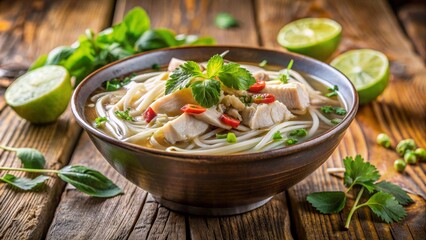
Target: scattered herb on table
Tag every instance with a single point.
(133, 35)
(206, 87)
(30, 157)
(385, 199)
(225, 20)
(23, 183)
(333, 91)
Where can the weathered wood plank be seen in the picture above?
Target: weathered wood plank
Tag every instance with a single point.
(413, 17)
(154, 221)
(400, 112)
(26, 30)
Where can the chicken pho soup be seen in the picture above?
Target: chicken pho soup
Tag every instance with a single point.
(215, 107)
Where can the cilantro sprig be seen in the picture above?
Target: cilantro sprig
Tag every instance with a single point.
(206, 86)
(385, 199)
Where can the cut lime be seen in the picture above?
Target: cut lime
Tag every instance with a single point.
(367, 69)
(314, 37)
(41, 95)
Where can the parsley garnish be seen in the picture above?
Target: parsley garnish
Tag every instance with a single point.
(115, 84)
(124, 115)
(291, 141)
(330, 109)
(385, 199)
(333, 91)
(327, 109)
(284, 77)
(299, 132)
(206, 86)
(336, 121)
(277, 136)
(99, 121)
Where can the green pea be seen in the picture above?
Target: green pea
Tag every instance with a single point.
(383, 140)
(399, 165)
(405, 145)
(420, 154)
(410, 157)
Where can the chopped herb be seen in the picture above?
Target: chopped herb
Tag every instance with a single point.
(115, 84)
(385, 199)
(225, 20)
(99, 121)
(333, 91)
(221, 136)
(291, 141)
(231, 138)
(336, 121)
(155, 66)
(327, 109)
(277, 136)
(283, 78)
(263, 63)
(247, 99)
(340, 111)
(299, 132)
(124, 115)
(286, 76)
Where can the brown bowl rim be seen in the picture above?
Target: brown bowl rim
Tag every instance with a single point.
(245, 157)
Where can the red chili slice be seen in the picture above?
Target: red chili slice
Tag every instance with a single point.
(257, 87)
(192, 109)
(263, 98)
(149, 114)
(229, 121)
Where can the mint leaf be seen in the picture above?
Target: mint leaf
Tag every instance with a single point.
(214, 66)
(327, 202)
(360, 172)
(386, 207)
(182, 76)
(137, 22)
(23, 183)
(236, 77)
(400, 195)
(206, 92)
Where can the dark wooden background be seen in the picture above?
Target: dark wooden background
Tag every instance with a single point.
(30, 28)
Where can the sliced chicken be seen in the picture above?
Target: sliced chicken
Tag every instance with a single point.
(293, 95)
(233, 101)
(212, 117)
(183, 128)
(261, 76)
(265, 115)
(172, 103)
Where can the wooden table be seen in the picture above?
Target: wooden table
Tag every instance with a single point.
(30, 28)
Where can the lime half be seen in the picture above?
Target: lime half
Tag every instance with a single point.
(314, 37)
(41, 95)
(367, 69)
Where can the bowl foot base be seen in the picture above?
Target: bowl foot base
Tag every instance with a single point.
(194, 210)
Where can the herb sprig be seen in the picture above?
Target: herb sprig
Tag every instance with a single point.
(333, 91)
(206, 86)
(385, 199)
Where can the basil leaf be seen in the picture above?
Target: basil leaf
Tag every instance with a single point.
(386, 207)
(31, 158)
(225, 20)
(137, 22)
(182, 76)
(89, 181)
(40, 62)
(154, 39)
(214, 66)
(59, 55)
(23, 183)
(206, 93)
(327, 202)
(400, 195)
(236, 77)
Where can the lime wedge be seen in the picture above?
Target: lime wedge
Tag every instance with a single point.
(314, 37)
(367, 69)
(41, 95)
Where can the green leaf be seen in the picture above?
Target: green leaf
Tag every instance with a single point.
(89, 181)
(386, 207)
(400, 195)
(336, 121)
(206, 93)
(277, 136)
(327, 202)
(201, 41)
(59, 55)
(236, 77)
(23, 183)
(124, 115)
(31, 158)
(155, 39)
(225, 20)
(360, 172)
(116, 52)
(136, 22)
(340, 111)
(39, 62)
(182, 76)
(214, 66)
(81, 62)
(327, 109)
(100, 120)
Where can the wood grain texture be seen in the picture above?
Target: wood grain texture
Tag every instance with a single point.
(26, 30)
(413, 18)
(399, 112)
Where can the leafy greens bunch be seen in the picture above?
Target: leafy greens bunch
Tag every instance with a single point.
(206, 86)
(84, 179)
(385, 199)
(132, 35)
